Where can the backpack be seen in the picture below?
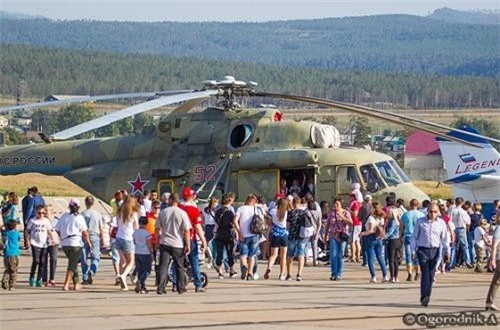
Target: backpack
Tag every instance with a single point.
(307, 225)
(258, 223)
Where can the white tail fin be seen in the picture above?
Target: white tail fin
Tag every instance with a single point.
(462, 160)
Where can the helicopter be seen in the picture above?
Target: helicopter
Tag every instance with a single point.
(220, 149)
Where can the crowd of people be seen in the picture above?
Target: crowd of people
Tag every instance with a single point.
(172, 234)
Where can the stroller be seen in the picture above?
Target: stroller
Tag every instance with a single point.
(171, 273)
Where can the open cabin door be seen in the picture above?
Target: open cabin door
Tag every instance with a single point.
(264, 183)
(165, 186)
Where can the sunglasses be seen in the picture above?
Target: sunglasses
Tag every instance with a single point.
(41, 213)
(157, 207)
(433, 211)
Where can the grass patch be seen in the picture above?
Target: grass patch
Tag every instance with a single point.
(47, 185)
(434, 189)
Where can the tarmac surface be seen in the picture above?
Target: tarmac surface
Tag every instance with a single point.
(315, 303)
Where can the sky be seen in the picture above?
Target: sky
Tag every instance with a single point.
(231, 10)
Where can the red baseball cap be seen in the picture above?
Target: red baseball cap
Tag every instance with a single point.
(188, 192)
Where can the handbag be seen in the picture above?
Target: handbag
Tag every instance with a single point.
(343, 235)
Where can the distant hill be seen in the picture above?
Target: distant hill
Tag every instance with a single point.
(14, 15)
(62, 71)
(470, 17)
(390, 43)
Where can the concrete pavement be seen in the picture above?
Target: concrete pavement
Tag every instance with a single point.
(315, 303)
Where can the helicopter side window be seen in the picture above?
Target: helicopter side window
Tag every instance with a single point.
(372, 178)
(241, 135)
(346, 176)
(400, 172)
(388, 173)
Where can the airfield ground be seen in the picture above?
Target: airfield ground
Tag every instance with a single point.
(315, 303)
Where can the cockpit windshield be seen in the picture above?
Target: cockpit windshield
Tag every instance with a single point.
(388, 173)
(371, 178)
(400, 172)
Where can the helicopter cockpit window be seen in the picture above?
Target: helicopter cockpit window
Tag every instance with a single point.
(346, 176)
(372, 178)
(388, 173)
(241, 135)
(400, 172)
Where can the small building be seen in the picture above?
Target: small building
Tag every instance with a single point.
(4, 122)
(422, 157)
(24, 121)
(60, 97)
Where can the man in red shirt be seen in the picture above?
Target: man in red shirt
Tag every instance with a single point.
(354, 206)
(194, 214)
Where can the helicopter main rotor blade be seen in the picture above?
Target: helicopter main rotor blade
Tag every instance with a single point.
(365, 112)
(420, 121)
(81, 99)
(130, 111)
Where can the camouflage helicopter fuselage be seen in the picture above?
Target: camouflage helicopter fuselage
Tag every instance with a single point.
(244, 151)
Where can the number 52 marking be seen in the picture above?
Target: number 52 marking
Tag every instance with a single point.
(204, 172)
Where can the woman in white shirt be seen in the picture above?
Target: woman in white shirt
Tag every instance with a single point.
(72, 229)
(39, 231)
(279, 237)
(128, 221)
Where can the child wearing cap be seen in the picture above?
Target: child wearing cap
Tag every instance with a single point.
(481, 240)
(11, 255)
(143, 251)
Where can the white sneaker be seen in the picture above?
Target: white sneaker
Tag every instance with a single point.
(386, 279)
(373, 280)
(393, 280)
(256, 276)
(282, 278)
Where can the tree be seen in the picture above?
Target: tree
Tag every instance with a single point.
(43, 120)
(13, 136)
(73, 115)
(485, 127)
(362, 129)
(141, 121)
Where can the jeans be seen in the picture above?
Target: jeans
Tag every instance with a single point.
(143, 266)
(408, 252)
(177, 254)
(337, 249)
(374, 250)
(39, 256)
(194, 261)
(52, 264)
(249, 246)
(427, 259)
(364, 250)
(472, 250)
(115, 255)
(314, 247)
(95, 257)
(461, 235)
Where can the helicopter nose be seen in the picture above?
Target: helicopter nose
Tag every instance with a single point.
(409, 191)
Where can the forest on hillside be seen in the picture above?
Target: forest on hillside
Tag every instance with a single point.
(60, 71)
(391, 43)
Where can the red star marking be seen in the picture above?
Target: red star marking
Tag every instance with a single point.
(138, 184)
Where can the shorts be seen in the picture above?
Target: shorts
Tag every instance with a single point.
(249, 246)
(297, 247)
(279, 241)
(355, 233)
(124, 245)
